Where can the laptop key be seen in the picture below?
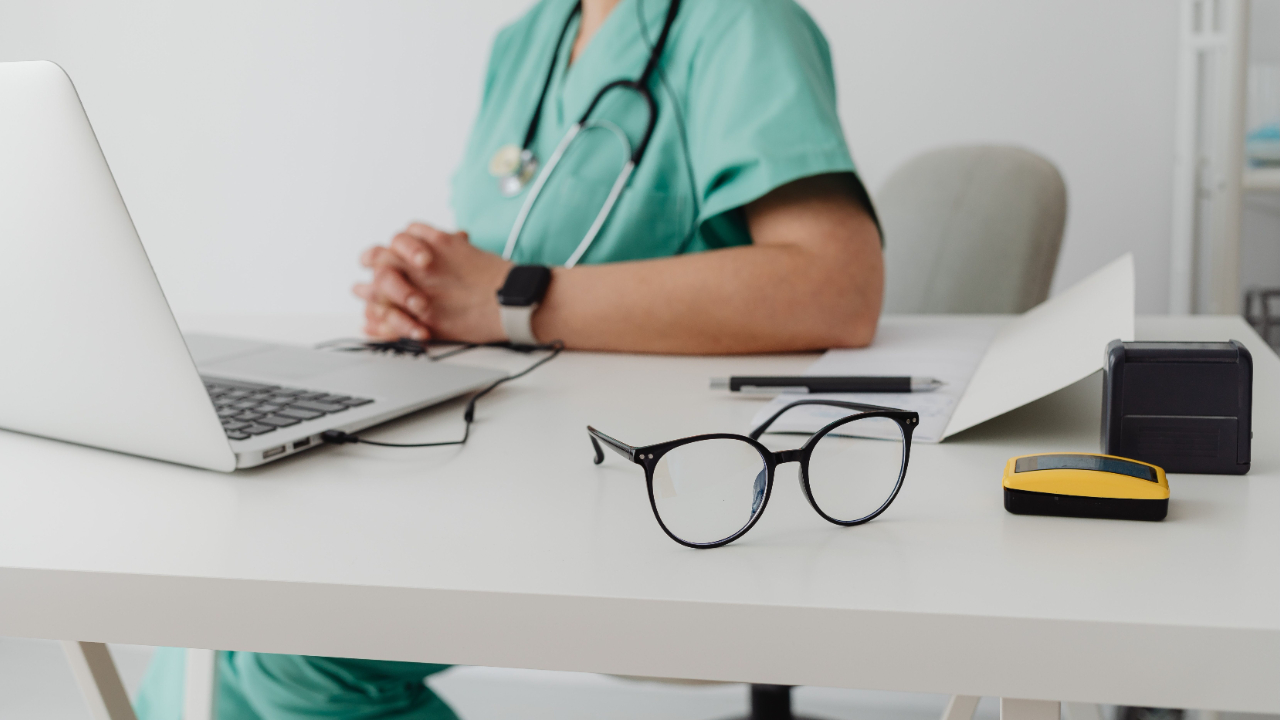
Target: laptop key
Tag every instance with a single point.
(237, 435)
(237, 384)
(319, 406)
(234, 424)
(246, 402)
(299, 413)
(257, 429)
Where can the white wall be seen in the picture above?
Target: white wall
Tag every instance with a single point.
(261, 144)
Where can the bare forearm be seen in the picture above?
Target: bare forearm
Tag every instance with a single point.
(759, 298)
(811, 278)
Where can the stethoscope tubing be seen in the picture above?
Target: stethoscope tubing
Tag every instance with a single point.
(619, 184)
(634, 155)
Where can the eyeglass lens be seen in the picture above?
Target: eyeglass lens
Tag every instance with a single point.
(707, 491)
(854, 469)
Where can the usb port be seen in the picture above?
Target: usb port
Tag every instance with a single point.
(273, 452)
(302, 443)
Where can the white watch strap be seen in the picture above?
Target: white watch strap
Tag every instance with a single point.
(517, 323)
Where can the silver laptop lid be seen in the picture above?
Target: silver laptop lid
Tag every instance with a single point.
(92, 354)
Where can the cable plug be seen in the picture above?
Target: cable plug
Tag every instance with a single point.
(337, 437)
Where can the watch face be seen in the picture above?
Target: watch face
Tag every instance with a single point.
(525, 285)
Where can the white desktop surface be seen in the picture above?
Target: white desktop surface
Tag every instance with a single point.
(517, 551)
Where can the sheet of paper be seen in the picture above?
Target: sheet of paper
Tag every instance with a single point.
(1050, 346)
(947, 348)
(991, 364)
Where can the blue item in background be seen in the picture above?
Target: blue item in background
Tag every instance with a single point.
(1262, 146)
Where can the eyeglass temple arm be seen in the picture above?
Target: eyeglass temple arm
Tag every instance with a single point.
(860, 407)
(617, 446)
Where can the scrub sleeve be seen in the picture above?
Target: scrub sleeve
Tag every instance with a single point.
(746, 103)
(762, 113)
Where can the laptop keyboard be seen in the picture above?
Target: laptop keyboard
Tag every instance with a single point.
(247, 409)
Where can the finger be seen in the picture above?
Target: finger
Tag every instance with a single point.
(411, 250)
(391, 286)
(377, 312)
(375, 308)
(380, 257)
(404, 326)
(377, 332)
(396, 324)
(424, 231)
(380, 331)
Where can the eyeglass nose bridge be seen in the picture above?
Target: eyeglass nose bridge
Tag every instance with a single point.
(786, 456)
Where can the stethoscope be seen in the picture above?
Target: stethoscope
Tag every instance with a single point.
(515, 167)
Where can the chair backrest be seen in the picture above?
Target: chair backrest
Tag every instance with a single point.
(973, 229)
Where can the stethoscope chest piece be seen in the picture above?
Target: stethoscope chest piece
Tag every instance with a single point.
(514, 167)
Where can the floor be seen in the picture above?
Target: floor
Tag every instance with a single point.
(36, 684)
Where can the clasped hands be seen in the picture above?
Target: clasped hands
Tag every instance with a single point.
(432, 285)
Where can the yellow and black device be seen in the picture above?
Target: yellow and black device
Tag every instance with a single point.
(1085, 485)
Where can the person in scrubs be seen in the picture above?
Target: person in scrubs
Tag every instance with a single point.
(744, 228)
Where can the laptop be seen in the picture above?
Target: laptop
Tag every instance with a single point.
(91, 352)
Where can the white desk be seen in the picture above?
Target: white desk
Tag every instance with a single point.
(517, 551)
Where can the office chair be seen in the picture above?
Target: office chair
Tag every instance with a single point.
(971, 229)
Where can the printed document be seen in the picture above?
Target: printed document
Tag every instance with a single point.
(991, 364)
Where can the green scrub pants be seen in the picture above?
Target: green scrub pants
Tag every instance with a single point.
(259, 686)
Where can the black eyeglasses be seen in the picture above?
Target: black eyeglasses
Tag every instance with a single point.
(709, 490)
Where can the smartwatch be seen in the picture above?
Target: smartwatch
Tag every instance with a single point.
(518, 297)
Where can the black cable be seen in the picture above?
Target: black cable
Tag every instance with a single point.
(415, 348)
(402, 346)
(338, 437)
(546, 85)
(660, 45)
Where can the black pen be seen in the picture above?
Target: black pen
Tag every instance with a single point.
(773, 385)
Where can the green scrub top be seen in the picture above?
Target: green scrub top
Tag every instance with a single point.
(746, 103)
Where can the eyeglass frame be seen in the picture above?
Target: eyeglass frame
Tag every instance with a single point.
(648, 456)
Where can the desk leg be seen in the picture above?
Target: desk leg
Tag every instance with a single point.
(1013, 709)
(961, 707)
(201, 679)
(95, 673)
(1081, 711)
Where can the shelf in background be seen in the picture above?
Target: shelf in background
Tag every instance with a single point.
(1262, 179)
